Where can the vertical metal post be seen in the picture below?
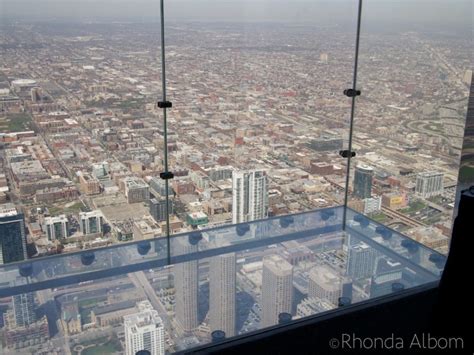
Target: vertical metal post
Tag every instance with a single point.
(351, 126)
(165, 126)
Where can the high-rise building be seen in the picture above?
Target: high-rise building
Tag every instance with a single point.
(362, 259)
(158, 208)
(222, 273)
(12, 234)
(144, 331)
(324, 283)
(363, 181)
(186, 286)
(429, 184)
(57, 227)
(24, 309)
(277, 289)
(249, 195)
(91, 222)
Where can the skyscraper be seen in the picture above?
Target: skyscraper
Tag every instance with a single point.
(249, 195)
(144, 331)
(429, 184)
(363, 181)
(222, 293)
(277, 289)
(12, 234)
(186, 286)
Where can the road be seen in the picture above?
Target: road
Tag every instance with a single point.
(141, 283)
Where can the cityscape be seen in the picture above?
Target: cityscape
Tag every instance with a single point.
(255, 132)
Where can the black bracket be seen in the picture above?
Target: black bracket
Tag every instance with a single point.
(164, 104)
(167, 175)
(351, 92)
(345, 153)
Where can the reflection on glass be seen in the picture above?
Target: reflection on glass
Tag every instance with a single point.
(220, 283)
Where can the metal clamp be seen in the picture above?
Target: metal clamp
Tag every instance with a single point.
(345, 153)
(165, 104)
(166, 175)
(351, 92)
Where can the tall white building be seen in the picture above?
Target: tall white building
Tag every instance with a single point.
(429, 184)
(277, 289)
(144, 331)
(222, 291)
(91, 222)
(249, 195)
(57, 227)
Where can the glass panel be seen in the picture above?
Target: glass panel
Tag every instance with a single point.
(79, 141)
(259, 115)
(227, 279)
(414, 74)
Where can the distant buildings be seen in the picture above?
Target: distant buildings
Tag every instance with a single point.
(363, 181)
(158, 187)
(429, 184)
(326, 143)
(222, 290)
(12, 234)
(186, 286)
(144, 331)
(158, 208)
(89, 184)
(57, 228)
(249, 195)
(372, 204)
(394, 200)
(219, 173)
(277, 289)
(136, 190)
(101, 170)
(91, 222)
(195, 219)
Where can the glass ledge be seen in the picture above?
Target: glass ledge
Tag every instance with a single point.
(234, 279)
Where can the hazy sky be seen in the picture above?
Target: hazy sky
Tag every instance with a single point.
(423, 12)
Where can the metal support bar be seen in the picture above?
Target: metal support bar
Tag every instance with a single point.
(164, 105)
(351, 127)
